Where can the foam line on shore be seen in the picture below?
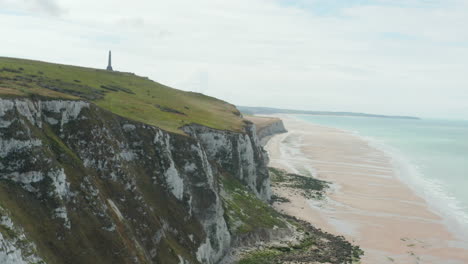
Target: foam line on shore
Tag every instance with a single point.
(437, 199)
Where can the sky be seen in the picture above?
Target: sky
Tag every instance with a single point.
(396, 57)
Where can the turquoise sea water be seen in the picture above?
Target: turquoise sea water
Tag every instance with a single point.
(430, 155)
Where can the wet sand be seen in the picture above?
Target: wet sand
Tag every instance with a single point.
(366, 202)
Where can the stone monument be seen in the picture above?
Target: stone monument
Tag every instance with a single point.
(109, 65)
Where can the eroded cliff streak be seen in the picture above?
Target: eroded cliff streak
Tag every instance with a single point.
(239, 154)
(82, 185)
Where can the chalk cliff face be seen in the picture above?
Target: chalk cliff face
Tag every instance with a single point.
(239, 154)
(81, 185)
(266, 132)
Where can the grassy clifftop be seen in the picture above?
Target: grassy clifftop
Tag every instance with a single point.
(125, 94)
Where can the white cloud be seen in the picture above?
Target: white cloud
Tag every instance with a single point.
(390, 57)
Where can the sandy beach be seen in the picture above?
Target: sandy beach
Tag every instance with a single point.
(366, 202)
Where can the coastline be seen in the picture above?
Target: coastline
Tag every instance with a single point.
(367, 202)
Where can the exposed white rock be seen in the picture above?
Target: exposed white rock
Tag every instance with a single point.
(205, 164)
(88, 162)
(265, 133)
(266, 189)
(110, 228)
(242, 152)
(215, 141)
(204, 252)
(222, 238)
(217, 234)
(158, 136)
(182, 260)
(128, 127)
(61, 212)
(158, 236)
(72, 107)
(59, 182)
(15, 248)
(25, 177)
(115, 209)
(5, 123)
(29, 110)
(9, 253)
(248, 165)
(5, 106)
(51, 121)
(9, 145)
(190, 167)
(6, 222)
(70, 110)
(127, 155)
(174, 181)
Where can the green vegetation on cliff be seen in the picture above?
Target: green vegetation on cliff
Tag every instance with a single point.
(316, 246)
(247, 214)
(307, 186)
(125, 94)
(244, 212)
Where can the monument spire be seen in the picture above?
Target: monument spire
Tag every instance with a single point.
(109, 64)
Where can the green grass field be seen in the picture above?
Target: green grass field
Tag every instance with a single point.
(124, 94)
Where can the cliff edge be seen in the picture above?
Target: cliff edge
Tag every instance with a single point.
(266, 127)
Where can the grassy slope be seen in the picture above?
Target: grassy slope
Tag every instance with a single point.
(125, 94)
(244, 211)
(316, 246)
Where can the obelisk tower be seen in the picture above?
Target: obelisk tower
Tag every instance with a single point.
(109, 65)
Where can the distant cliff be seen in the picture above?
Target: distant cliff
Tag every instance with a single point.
(267, 127)
(268, 111)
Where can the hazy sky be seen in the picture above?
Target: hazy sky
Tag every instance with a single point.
(407, 57)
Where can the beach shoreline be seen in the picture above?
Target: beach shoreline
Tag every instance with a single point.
(367, 202)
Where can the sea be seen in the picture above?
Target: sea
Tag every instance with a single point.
(429, 155)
